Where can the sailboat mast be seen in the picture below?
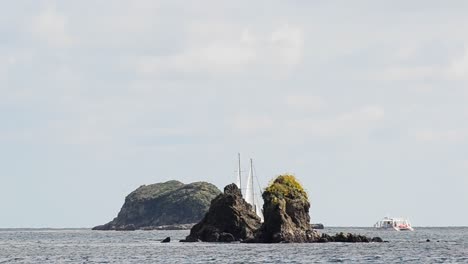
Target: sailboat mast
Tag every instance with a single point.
(239, 176)
(251, 184)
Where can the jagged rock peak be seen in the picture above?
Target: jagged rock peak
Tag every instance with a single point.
(232, 189)
(230, 218)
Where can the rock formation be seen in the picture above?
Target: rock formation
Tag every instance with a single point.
(317, 226)
(230, 218)
(349, 238)
(286, 212)
(168, 203)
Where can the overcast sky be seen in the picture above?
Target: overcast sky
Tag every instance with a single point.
(364, 101)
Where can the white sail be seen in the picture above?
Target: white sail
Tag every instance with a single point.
(259, 213)
(249, 192)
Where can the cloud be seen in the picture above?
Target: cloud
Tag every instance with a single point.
(346, 123)
(6, 61)
(51, 27)
(282, 125)
(216, 57)
(306, 103)
(288, 43)
(252, 124)
(453, 136)
(458, 69)
(222, 48)
(370, 113)
(407, 73)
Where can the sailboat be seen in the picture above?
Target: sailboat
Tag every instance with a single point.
(249, 194)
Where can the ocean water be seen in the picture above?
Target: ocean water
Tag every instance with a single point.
(447, 245)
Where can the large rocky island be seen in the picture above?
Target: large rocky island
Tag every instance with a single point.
(162, 204)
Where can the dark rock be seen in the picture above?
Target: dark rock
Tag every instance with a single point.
(166, 240)
(348, 238)
(211, 236)
(317, 226)
(286, 211)
(130, 227)
(168, 203)
(105, 227)
(226, 237)
(340, 237)
(169, 227)
(324, 238)
(229, 214)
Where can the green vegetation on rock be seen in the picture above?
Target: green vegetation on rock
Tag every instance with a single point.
(286, 186)
(153, 191)
(286, 213)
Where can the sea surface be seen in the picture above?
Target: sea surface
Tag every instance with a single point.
(446, 245)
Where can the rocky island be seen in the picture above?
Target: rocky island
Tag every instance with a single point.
(168, 204)
(286, 211)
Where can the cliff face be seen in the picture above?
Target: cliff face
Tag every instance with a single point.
(230, 218)
(167, 203)
(286, 212)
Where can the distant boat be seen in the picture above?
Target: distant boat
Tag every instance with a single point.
(397, 224)
(249, 194)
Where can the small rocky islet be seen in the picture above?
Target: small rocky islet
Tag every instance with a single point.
(286, 211)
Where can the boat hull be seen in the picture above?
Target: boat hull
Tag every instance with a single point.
(394, 229)
(394, 224)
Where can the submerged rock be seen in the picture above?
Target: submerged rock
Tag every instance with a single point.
(286, 212)
(229, 218)
(168, 203)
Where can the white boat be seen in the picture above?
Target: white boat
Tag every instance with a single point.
(398, 224)
(249, 193)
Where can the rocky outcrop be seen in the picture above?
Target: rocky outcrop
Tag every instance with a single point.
(348, 238)
(230, 218)
(168, 203)
(169, 227)
(286, 212)
(317, 226)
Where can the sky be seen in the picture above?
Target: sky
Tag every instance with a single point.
(364, 101)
